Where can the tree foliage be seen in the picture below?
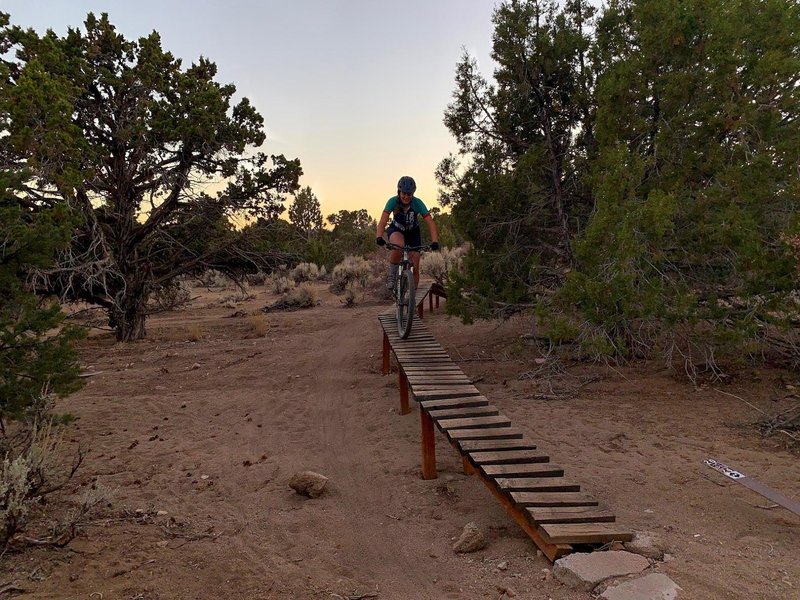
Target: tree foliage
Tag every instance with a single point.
(37, 356)
(521, 195)
(124, 134)
(676, 170)
(305, 213)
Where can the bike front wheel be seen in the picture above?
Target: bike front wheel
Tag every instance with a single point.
(405, 303)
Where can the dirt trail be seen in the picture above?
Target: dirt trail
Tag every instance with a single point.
(211, 430)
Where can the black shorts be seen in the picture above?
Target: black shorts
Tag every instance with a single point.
(412, 236)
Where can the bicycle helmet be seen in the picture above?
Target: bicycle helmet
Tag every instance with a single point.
(406, 185)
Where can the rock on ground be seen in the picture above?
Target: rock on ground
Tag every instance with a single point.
(308, 483)
(647, 544)
(655, 586)
(471, 539)
(584, 571)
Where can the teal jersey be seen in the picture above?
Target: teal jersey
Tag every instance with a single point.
(405, 221)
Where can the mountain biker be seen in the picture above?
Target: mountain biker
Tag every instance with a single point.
(406, 210)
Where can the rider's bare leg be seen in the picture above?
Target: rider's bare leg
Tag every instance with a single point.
(395, 256)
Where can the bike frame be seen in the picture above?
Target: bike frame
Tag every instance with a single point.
(404, 292)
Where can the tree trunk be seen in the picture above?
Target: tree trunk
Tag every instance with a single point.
(558, 192)
(129, 318)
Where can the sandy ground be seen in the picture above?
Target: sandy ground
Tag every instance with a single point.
(201, 426)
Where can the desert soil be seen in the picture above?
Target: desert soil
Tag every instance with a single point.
(199, 428)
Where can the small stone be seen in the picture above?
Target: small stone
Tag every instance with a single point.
(647, 544)
(162, 543)
(161, 513)
(503, 565)
(308, 483)
(471, 539)
(195, 366)
(204, 476)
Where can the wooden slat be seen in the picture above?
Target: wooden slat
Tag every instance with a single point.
(536, 484)
(439, 384)
(439, 379)
(422, 393)
(454, 403)
(584, 533)
(486, 445)
(433, 375)
(424, 361)
(464, 412)
(571, 514)
(502, 457)
(553, 499)
(484, 434)
(524, 470)
(551, 551)
(474, 423)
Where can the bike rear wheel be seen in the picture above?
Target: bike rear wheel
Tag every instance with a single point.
(405, 303)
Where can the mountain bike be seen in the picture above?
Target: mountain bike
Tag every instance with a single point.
(404, 288)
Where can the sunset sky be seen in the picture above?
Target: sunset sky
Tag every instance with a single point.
(356, 89)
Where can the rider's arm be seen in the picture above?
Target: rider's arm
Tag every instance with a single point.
(382, 223)
(431, 227)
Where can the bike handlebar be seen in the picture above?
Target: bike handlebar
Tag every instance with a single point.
(391, 246)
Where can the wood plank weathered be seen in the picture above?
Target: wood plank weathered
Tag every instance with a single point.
(585, 533)
(536, 484)
(570, 514)
(503, 457)
(464, 412)
(497, 433)
(486, 445)
(553, 499)
(462, 402)
(523, 470)
(474, 423)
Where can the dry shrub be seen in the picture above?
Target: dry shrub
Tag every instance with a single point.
(439, 264)
(308, 272)
(213, 278)
(170, 296)
(279, 284)
(242, 294)
(349, 299)
(259, 325)
(194, 333)
(303, 296)
(31, 471)
(353, 269)
(257, 278)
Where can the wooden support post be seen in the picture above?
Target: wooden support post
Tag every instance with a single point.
(402, 381)
(430, 301)
(437, 300)
(468, 468)
(428, 443)
(386, 353)
(421, 309)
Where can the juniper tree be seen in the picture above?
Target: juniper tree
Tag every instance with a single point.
(141, 138)
(696, 179)
(520, 196)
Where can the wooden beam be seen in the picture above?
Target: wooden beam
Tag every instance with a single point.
(386, 354)
(428, 444)
(402, 382)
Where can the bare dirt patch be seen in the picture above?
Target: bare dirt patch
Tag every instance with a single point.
(200, 427)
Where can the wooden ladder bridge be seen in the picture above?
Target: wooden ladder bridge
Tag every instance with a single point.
(555, 513)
